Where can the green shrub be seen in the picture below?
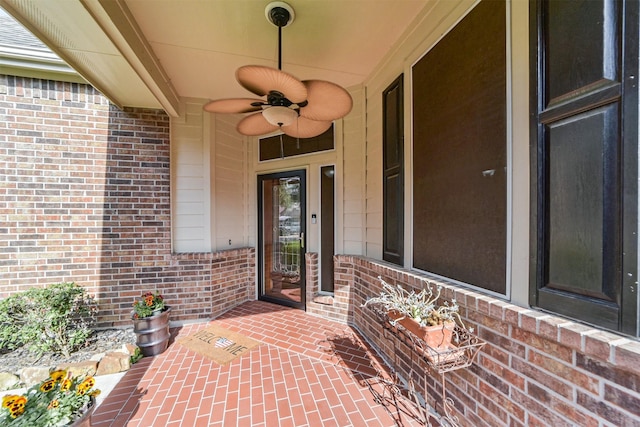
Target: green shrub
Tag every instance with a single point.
(56, 319)
(136, 356)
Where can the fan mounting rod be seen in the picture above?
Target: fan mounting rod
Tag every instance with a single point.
(281, 15)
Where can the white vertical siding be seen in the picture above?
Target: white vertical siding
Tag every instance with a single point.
(353, 181)
(188, 181)
(209, 181)
(251, 195)
(373, 221)
(230, 174)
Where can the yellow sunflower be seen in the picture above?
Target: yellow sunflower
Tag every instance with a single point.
(85, 386)
(47, 386)
(17, 407)
(89, 382)
(8, 400)
(66, 384)
(58, 375)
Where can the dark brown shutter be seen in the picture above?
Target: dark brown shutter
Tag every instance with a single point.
(585, 133)
(392, 173)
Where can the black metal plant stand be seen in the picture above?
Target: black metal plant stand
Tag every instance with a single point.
(438, 362)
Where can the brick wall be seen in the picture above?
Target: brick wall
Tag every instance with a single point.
(312, 278)
(535, 370)
(336, 306)
(85, 198)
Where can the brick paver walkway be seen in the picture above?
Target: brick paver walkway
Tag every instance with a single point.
(308, 371)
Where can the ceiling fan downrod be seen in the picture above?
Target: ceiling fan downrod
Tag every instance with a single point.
(281, 15)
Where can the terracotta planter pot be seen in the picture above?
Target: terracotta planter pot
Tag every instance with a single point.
(437, 337)
(152, 333)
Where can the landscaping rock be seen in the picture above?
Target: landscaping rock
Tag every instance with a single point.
(33, 375)
(130, 349)
(98, 356)
(8, 381)
(30, 368)
(101, 341)
(114, 362)
(87, 368)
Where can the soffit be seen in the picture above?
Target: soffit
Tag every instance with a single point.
(151, 53)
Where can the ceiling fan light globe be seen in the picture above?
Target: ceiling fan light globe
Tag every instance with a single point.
(280, 116)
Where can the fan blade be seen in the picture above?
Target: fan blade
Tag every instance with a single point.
(261, 80)
(255, 125)
(326, 101)
(235, 105)
(305, 128)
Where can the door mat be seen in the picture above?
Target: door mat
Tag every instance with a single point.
(218, 344)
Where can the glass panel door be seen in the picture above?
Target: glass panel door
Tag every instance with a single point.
(281, 238)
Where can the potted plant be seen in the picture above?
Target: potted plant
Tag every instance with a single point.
(151, 323)
(420, 313)
(60, 400)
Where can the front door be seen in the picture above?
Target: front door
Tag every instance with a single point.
(281, 238)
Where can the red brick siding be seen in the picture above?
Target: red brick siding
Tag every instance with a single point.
(536, 369)
(334, 306)
(312, 279)
(86, 198)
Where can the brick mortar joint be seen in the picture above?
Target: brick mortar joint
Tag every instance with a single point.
(214, 256)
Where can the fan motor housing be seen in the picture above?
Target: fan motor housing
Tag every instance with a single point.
(276, 98)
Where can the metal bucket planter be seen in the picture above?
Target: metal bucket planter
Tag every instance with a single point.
(85, 419)
(152, 333)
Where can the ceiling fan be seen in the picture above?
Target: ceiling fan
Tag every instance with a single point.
(301, 109)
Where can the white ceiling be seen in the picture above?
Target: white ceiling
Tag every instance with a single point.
(149, 53)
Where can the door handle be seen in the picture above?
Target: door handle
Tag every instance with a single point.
(302, 240)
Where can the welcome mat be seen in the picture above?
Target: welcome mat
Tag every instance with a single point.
(218, 344)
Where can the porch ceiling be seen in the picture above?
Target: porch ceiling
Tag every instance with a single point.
(144, 53)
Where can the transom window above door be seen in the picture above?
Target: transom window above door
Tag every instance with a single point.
(281, 146)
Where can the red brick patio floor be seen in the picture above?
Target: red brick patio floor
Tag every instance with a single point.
(307, 371)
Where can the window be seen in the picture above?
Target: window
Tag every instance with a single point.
(281, 146)
(327, 227)
(460, 152)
